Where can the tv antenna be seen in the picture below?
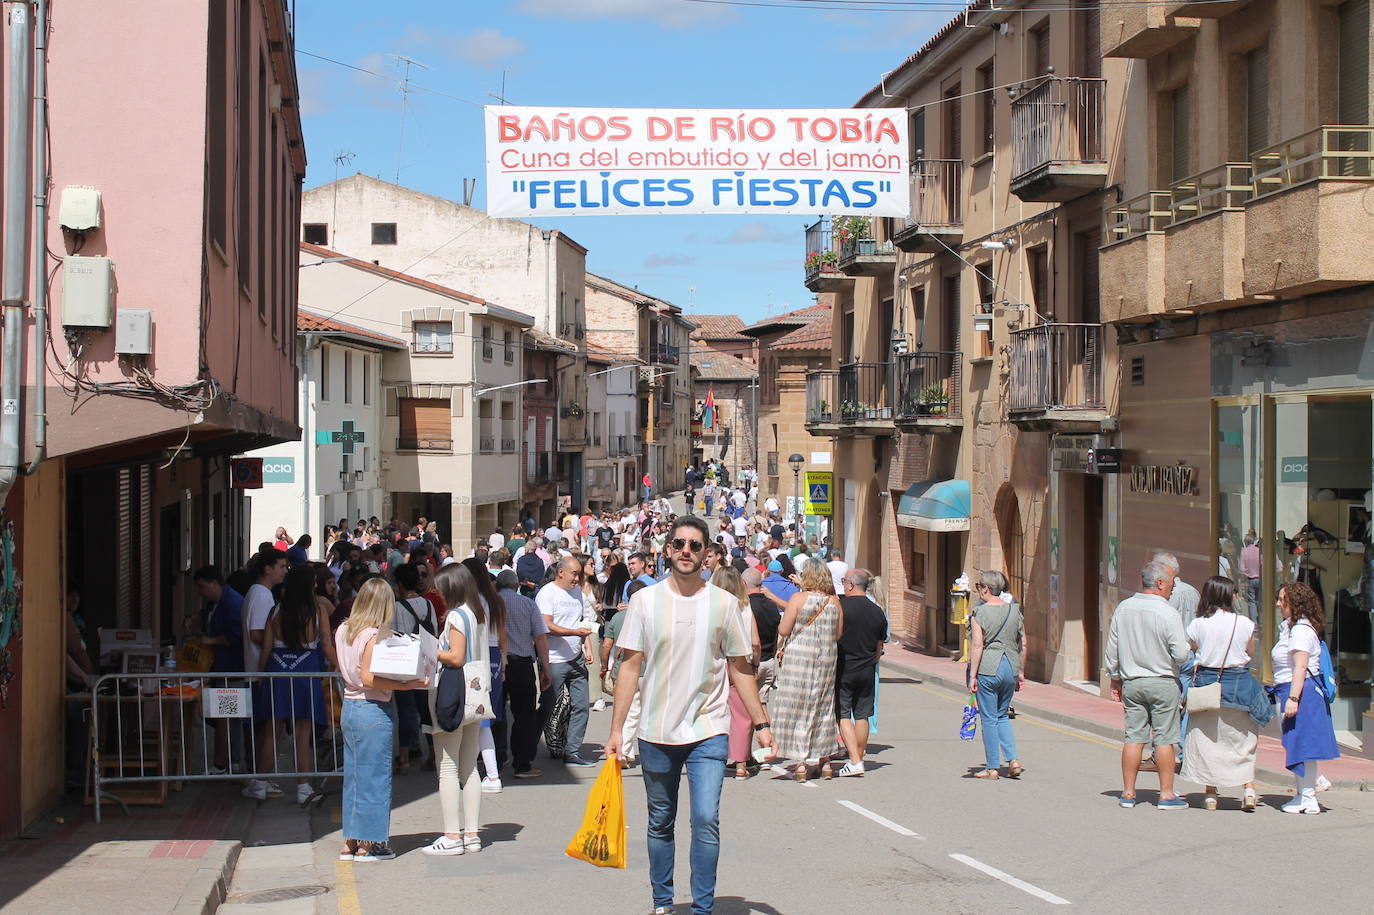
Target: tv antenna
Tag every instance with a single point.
(502, 97)
(340, 158)
(405, 99)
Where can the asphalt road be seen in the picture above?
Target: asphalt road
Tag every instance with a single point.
(915, 834)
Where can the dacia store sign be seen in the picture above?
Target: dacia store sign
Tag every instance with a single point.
(279, 470)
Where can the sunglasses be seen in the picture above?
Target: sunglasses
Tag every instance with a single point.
(682, 543)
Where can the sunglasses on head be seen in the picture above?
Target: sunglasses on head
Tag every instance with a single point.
(682, 543)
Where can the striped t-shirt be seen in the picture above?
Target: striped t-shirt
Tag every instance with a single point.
(684, 686)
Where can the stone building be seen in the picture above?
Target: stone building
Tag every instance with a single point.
(733, 383)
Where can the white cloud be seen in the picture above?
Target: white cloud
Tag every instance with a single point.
(311, 85)
(488, 48)
(668, 260)
(666, 13)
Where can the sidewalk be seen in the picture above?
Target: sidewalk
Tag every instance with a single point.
(175, 859)
(1075, 708)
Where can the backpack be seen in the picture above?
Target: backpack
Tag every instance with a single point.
(1327, 680)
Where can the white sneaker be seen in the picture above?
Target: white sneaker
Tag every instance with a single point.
(491, 785)
(444, 846)
(852, 769)
(1306, 802)
(273, 789)
(304, 793)
(599, 705)
(256, 789)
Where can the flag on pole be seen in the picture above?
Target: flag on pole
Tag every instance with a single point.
(708, 409)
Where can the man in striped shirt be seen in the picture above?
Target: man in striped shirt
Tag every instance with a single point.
(683, 643)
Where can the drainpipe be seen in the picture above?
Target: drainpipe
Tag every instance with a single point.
(307, 436)
(14, 280)
(40, 231)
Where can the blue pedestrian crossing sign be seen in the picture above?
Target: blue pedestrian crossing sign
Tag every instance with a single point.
(820, 487)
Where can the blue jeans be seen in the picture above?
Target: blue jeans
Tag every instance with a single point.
(661, 765)
(573, 673)
(710, 504)
(368, 727)
(994, 698)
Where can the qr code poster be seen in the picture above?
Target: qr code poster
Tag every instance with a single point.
(226, 703)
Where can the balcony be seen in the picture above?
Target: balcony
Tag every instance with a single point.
(486, 444)
(1057, 149)
(865, 392)
(538, 468)
(823, 259)
(424, 444)
(1143, 30)
(1205, 9)
(1308, 226)
(663, 354)
(860, 253)
(937, 207)
(822, 409)
(1056, 378)
(507, 446)
(928, 386)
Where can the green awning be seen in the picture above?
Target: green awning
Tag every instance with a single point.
(936, 505)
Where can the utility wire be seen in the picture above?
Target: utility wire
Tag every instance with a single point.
(415, 87)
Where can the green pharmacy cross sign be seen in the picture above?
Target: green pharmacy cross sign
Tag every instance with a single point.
(346, 437)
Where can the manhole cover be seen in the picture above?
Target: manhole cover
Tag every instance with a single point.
(280, 894)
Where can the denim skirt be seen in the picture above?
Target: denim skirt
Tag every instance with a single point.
(368, 729)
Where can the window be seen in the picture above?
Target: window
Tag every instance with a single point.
(324, 372)
(243, 173)
(426, 424)
(987, 109)
(348, 376)
(1352, 62)
(367, 381)
(508, 345)
(918, 134)
(508, 427)
(1178, 125)
(1137, 370)
(987, 295)
(1038, 263)
(1040, 50)
(315, 233)
(217, 140)
(1090, 18)
(432, 337)
(847, 336)
(486, 343)
(486, 422)
(954, 148)
(260, 219)
(1257, 99)
(1089, 296)
(951, 315)
(384, 233)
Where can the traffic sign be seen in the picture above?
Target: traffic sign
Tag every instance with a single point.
(820, 485)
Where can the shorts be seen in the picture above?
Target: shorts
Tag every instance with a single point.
(1152, 710)
(855, 692)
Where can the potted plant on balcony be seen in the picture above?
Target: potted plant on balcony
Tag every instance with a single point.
(933, 400)
(855, 235)
(821, 261)
(823, 412)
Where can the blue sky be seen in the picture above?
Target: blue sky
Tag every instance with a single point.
(628, 53)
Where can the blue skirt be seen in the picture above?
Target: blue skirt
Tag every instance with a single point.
(1308, 735)
(497, 684)
(291, 697)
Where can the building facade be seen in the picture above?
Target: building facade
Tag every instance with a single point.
(451, 398)
(534, 271)
(137, 429)
(333, 472)
(732, 385)
(654, 331)
(1236, 272)
(790, 347)
(967, 336)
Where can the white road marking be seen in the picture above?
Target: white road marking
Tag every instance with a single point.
(1010, 880)
(880, 820)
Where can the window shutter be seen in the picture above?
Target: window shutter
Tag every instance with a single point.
(1352, 82)
(456, 399)
(393, 407)
(425, 420)
(951, 315)
(1257, 99)
(1092, 38)
(1179, 125)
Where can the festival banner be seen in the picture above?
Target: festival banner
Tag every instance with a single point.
(628, 161)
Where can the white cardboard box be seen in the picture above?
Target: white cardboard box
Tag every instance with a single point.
(399, 657)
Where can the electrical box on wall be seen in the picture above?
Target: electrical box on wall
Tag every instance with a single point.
(134, 332)
(87, 291)
(79, 208)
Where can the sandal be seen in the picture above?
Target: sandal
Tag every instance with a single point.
(1015, 771)
(988, 773)
(799, 773)
(1249, 800)
(741, 770)
(826, 771)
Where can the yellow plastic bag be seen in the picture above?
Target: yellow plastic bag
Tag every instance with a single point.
(194, 656)
(601, 840)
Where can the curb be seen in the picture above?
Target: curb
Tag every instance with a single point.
(1272, 777)
(207, 889)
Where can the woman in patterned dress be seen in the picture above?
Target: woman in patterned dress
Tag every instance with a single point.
(803, 707)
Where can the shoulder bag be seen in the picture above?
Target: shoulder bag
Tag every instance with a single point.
(1208, 698)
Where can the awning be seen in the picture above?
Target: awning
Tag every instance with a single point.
(936, 505)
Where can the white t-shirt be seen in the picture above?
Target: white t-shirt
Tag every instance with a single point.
(741, 526)
(684, 686)
(738, 498)
(1211, 634)
(565, 609)
(1301, 637)
(257, 607)
(771, 505)
(838, 570)
(496, 541)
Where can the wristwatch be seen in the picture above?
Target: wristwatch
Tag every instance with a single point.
(765, 725)
(1293, 698)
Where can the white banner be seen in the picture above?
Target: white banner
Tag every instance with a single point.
(587, 161)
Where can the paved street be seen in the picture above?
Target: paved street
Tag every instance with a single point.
(848, 845)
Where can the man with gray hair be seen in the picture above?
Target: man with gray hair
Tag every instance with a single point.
(1185, 597)
(856, 671)
(1145, 645)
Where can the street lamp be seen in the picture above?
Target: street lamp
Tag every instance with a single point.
(796, 460)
